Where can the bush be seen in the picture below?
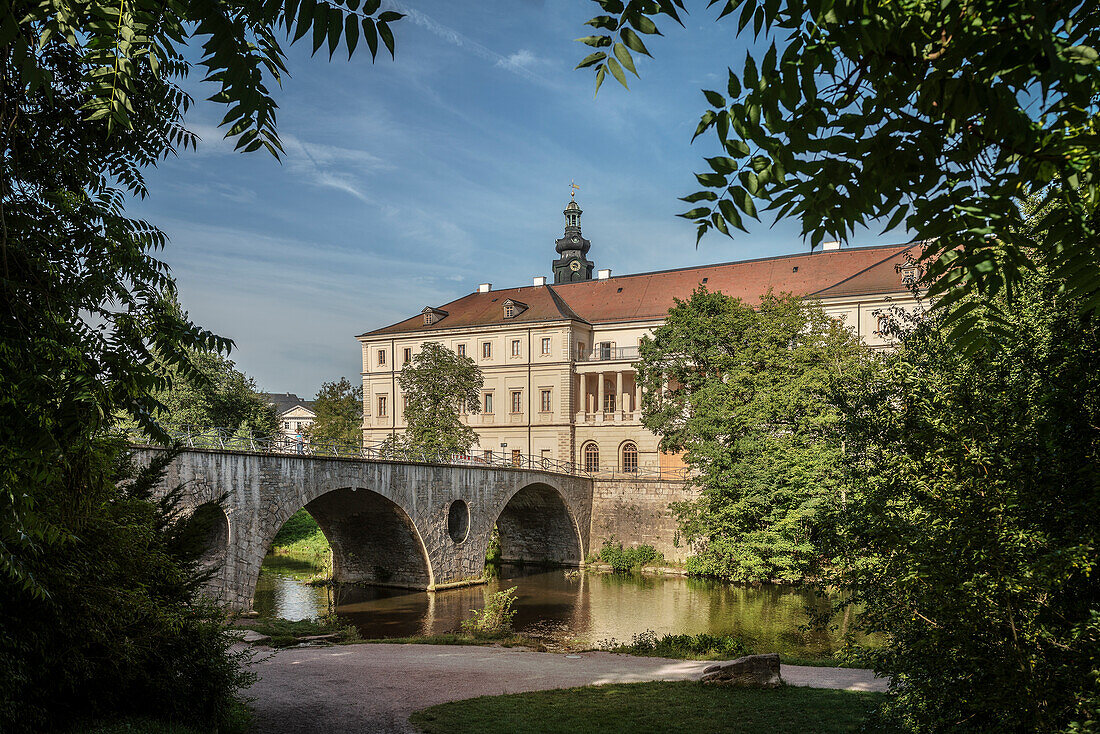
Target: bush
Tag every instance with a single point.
(496, 617)
(625, 560)
(124, 630)
(301, 536)
(492, 551)
(703, 645)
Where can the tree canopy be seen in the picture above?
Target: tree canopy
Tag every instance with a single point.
(937, 114)
(969, 536)
(339, 414)
(743, 392)
(438, 385)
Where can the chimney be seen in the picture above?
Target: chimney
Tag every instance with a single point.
(540, 280)
(603, 274)
(484, 287)
(826, 246)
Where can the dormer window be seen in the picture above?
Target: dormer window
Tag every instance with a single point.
(909, 274)
(432, 315)
(513, 308)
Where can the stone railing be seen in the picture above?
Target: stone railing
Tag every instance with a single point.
(607, 354)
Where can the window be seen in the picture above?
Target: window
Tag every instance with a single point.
(488, 401)
(486, 350)
(404, 404)
(509, 310)
(517, 457)
(609, 400)
(429, 317)
(605, 350)
(545, 404)
(580, 350)
(630, 457)
(515, 347)
(517, 401)
(462, 350)
(286, 424)
(545, 458)
(298, 426)
(382, 405)
(883, 325)
(488, 455)
(546, 345)
(591, 457)
(381, 357)
(408, 355)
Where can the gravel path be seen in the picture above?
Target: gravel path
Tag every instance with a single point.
(374, 687)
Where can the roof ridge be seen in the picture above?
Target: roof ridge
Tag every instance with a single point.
(563, 308)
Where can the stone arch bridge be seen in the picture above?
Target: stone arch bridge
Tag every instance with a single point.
(397, 523)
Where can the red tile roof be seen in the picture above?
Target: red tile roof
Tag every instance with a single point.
(833, 273)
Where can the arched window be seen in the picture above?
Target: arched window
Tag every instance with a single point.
(630, 457)
(591, 457)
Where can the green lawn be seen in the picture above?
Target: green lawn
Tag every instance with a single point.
(300, 536)
(656, 708)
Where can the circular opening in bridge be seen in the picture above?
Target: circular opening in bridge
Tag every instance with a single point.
(208, 528)
(458, 520)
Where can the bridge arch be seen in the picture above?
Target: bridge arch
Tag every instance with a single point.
(536, 525)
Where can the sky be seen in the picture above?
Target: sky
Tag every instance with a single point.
(407, 182)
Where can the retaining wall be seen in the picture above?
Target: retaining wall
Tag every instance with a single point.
(636, 513)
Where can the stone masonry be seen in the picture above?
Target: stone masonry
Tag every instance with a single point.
(387, 521)
(635, 512)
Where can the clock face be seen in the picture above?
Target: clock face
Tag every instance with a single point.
(575, 266)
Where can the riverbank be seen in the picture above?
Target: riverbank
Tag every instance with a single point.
(353, 688)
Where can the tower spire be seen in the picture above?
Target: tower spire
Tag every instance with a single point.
(572, 265)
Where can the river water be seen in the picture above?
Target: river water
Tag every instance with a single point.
(586, 609)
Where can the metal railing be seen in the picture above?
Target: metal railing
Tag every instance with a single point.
(225, 439)
(606, 354)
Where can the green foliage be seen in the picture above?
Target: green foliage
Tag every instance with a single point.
(301, 536)
(970, 534)
(939, 114)
(339, 411)
(124, 596)
(629, 559)
(703, 646)
(744, 393)
(493, 553)
(437, 384)
(654, 707)
(495, 618)
(286, 633)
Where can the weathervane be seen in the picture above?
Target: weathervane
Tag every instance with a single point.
(573, 190)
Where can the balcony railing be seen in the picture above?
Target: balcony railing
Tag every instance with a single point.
(607, 354)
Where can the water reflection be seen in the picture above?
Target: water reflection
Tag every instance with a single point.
(585, 609)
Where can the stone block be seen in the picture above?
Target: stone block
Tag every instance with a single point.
(751, 671)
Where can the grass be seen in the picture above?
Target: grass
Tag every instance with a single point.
(683, 647)
(285, 633)
(300, 536)
(654, 708)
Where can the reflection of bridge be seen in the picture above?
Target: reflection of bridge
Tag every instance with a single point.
(402, 523)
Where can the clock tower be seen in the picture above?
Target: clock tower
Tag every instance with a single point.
(572, 265)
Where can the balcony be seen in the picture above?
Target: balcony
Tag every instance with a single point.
(608, 354)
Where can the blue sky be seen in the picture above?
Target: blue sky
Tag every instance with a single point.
(406, 183)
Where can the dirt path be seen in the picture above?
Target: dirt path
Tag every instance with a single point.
(374, 687)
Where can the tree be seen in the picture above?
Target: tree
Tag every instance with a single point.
(90, 97)
(940, 114)
(743, 392)
(216, 395)
(970, 536)
(438, 384)
(339, 414)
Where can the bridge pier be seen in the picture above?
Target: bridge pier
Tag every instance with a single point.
(393, 523)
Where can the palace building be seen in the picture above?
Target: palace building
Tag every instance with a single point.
(557, 358)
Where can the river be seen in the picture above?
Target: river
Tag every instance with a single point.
(584, 609)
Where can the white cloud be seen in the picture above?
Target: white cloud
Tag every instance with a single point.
(519, 60)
